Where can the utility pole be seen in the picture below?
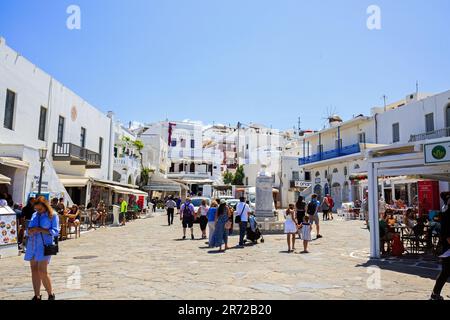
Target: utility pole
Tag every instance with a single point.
(299, 125)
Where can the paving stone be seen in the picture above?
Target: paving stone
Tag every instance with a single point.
(146, 260)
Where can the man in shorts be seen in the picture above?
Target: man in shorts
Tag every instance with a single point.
(187, 217)
(313, 212)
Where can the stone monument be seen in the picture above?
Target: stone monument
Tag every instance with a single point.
(264, 196)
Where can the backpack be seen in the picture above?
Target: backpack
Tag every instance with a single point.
(187, 211)
(312, 206)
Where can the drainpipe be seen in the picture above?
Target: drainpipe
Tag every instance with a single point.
(111, 144)
(376, 128)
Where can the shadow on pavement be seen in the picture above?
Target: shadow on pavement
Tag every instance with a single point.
(417, 267)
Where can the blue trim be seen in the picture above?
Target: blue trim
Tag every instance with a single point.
(331, 154)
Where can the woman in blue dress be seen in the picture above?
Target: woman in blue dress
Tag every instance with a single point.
(220, 236)
(43, 227)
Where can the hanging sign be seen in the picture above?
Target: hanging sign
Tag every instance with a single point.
(437, 152)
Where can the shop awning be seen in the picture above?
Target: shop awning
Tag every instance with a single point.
(157, 183)
(4, 179)
(73, 181)
(14, 162)
(123, 190)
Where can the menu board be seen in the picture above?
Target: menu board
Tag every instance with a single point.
(8, 229)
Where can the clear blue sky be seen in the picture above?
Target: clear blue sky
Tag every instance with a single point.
(266, 61)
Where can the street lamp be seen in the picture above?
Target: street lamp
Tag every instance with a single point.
(42, 157)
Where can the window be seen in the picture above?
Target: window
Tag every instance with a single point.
(192, 143)
(192, 167)
(42, 124)
(9, 109)
(60, 138)
(345, 171)
(182, 143)
(307, 175)
(295, 175)
(395, 132)
(429, 122)
(100, 145)
(83, 137)
(173, 143)
(362, 137)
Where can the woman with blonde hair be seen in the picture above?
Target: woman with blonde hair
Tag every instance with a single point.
(41, 232)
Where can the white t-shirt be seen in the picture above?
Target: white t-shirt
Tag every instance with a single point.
(242, 209)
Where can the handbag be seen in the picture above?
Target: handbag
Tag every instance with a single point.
(49, 249)
(238, 219)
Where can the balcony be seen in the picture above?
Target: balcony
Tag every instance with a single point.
(76, 155)
(126, 163)
(441, 133)
(331, 154)
(189, 175)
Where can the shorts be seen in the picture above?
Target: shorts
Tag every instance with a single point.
(188, 222)
(314, 218)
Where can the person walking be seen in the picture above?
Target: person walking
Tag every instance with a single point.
(170, 207)
(211, 216)
(222, 224)
(42, 229)
(325, 208)
(312, 209)
(331, 206)
(300, 206)
(445, 241)
(305, 228)
(123, 210)
(202, 217)
(290, 227)
(242, 210)
(187, 216)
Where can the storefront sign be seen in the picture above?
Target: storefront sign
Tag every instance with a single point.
(302, 184)
(437, 152)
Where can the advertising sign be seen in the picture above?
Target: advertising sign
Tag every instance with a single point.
(437, 152)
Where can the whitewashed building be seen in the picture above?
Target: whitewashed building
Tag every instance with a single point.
(36, 112)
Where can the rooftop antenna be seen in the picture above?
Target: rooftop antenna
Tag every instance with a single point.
(384, 100)
(299, 125)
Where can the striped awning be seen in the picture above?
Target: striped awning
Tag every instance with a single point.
(4, 179)
(14, 162)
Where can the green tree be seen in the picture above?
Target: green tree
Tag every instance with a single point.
(238, 179)
(228, 177)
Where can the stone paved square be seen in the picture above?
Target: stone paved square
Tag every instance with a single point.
(147, 260)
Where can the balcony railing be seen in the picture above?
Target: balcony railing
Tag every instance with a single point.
(331, 154)
(441, 133)
(76, 155)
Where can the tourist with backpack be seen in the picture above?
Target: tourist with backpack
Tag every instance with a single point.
(325, 207)
(187, 217)
(313, 213)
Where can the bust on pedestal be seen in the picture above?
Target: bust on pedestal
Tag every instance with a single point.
(264, 196)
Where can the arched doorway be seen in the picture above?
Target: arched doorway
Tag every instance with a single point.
(346, 192)
(336, 194)
(318, 191)
(447, 116)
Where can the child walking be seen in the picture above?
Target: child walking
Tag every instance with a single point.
(305, 228)
(290, 228)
